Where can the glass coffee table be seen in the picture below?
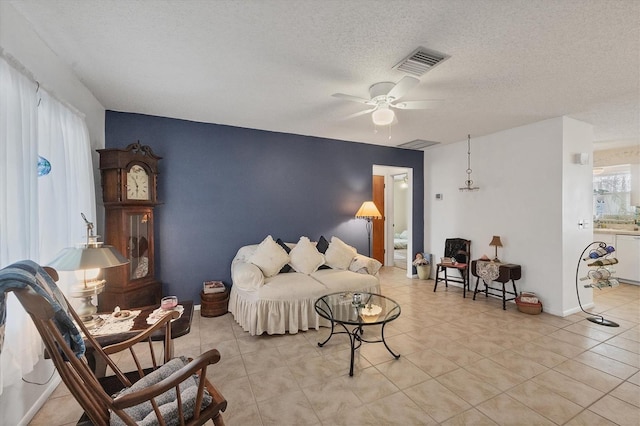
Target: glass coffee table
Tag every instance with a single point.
(354, 311)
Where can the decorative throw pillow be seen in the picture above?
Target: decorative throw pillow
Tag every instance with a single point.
(305, 258)
(269, 257)
(339, 254)
(286, 268)
(322, 245)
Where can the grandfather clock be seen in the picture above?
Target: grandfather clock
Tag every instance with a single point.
(129, 191)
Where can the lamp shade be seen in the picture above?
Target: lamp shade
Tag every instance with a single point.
(495, 241)
(368, 210)
(78, 258)
(382, 116)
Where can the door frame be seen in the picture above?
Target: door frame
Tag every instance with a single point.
(388, 172)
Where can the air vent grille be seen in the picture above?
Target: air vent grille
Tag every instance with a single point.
(420, 61)
(417, 144)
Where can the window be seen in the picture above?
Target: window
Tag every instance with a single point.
(612, 195)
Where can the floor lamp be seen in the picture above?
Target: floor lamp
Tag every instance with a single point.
(368, 211)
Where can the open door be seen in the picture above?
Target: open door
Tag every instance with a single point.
(378, 251)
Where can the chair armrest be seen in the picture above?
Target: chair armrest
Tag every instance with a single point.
(364, 264)
(246, 276)
(195, 366)
(165, 321)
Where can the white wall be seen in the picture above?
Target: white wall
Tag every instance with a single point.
(577, 206)
(400, 199)
(521, 177)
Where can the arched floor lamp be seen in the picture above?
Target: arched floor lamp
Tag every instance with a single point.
(368, 211)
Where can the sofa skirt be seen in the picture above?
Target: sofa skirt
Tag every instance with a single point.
(258, 316)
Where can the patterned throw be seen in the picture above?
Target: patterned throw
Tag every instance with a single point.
(28, 274)
(488, 271)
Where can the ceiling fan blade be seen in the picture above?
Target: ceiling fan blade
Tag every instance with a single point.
(402, 87)
(359, 113)
(353, 98)
(432, 103)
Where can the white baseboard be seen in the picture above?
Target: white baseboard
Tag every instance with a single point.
(37, 405)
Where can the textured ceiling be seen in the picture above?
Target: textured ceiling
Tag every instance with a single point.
(274, 64)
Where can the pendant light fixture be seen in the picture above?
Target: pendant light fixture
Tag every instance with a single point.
(469, 183)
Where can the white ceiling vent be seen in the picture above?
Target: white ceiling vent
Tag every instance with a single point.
(417, 144)
(421, 61)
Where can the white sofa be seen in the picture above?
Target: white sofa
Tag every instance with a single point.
(284, 302)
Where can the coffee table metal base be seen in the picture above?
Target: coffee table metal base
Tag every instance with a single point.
(356, 339)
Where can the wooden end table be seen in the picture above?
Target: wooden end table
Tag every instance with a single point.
(506, 272)
(179, 327)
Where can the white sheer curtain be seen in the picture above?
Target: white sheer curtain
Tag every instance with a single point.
(38, 215)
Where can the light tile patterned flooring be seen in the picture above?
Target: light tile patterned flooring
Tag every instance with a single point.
(463, 362)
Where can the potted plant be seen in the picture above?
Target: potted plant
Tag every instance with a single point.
(423, 266)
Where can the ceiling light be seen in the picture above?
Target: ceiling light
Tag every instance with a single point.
(383, 116)
(405, 183)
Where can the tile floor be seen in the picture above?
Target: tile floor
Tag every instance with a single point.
(463, 362)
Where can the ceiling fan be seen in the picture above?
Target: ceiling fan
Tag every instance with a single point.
(386, 95)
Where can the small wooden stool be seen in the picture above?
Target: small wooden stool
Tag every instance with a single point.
(214, 304)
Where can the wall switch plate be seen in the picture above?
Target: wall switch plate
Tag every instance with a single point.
(438, 196)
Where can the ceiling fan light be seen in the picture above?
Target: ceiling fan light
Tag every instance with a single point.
(382, 116)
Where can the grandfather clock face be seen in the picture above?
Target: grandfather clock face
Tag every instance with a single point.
(138, 183)
(138, 245)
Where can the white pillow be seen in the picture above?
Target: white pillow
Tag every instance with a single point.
(269, 257)
(339, 254)
(305, 257)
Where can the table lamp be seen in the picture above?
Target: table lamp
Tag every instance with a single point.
(86, 259)
(368, 211)
(495, 242)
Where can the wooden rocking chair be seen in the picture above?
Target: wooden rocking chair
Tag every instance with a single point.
(171, 392)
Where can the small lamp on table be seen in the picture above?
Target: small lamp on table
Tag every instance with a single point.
(495, 242)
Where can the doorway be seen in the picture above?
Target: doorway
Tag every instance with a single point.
(398, 213)
(400, 222)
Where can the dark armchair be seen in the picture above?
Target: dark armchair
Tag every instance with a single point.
(457, 253)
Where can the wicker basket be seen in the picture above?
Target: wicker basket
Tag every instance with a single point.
(214, 304)
(528, 308)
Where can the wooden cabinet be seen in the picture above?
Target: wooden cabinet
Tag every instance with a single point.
(129, 179)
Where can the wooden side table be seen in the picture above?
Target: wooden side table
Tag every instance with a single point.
(214, 304)
(507, 272)
(179, 327)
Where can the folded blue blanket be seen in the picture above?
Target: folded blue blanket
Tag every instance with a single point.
(28, 274)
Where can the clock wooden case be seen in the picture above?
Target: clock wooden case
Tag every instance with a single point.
(129, 192)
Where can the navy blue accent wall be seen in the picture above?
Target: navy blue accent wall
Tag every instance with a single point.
(223, 187)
